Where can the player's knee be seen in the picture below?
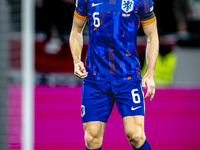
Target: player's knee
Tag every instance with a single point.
(90, 137)
(135, 138)
(93, 139)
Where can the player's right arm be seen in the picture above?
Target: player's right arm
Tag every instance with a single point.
(76, 45)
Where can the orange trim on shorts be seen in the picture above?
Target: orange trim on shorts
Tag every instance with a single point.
(79, 16)
(148, 21)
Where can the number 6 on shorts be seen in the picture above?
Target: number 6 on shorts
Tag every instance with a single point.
(136, 96)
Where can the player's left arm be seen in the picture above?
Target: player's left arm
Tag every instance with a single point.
(152, 47)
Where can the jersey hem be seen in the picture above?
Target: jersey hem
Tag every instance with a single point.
(118, 80)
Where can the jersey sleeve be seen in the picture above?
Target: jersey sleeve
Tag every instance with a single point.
(146, 13)
(81, 10)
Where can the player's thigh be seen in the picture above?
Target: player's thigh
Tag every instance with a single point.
(94, 129)
(134, 125)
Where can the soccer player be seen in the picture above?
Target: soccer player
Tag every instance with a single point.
(112, 70)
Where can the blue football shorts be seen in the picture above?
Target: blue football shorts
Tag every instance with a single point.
(98, 98)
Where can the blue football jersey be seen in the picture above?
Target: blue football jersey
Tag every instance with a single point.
(112, 45)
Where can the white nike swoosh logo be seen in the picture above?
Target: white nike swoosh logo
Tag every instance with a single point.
(93, 5)
(135, 107)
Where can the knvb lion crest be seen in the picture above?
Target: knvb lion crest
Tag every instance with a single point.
(127, 5)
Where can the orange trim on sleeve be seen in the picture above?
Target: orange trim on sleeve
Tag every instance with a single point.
(79, 16)
(148, 21)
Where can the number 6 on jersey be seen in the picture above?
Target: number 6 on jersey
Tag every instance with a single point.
(96, 19)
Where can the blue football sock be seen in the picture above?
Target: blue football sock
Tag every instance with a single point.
(94, 149)
(145, 146)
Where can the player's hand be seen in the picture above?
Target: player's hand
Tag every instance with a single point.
(148, 82)
(79, 70)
